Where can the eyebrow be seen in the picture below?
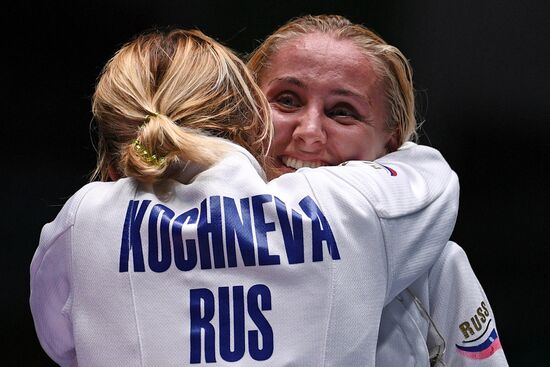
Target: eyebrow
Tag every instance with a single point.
(291, 80)
(349, 93)
(336, 92)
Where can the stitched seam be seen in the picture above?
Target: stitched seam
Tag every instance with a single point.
(69, 313)
(407, 336)
(389, 269)
(136, 319)
(132, 290)
(331, 297)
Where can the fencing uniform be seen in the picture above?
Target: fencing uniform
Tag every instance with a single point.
(445, 315)
(222, 268)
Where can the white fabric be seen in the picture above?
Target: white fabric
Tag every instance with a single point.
(452, 296)
(93, 306)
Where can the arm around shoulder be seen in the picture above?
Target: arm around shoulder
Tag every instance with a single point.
(413, 194)
(417, 213)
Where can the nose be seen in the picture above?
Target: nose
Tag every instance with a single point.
(309, 133)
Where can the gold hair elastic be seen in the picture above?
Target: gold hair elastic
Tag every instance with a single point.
(147, 157)
(147, 118)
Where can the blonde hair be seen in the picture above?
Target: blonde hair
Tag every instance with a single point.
(173, 95)
(391, 66)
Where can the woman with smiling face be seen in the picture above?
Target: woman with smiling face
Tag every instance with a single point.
(338, 92)
(325, 104)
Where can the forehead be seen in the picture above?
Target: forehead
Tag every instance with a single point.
(321, 57)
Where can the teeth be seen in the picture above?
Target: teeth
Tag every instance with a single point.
(296, 163)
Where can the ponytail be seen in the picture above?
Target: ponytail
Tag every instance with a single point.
(162, 149)
(200, 92)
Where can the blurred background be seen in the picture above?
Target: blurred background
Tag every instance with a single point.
(481, 70)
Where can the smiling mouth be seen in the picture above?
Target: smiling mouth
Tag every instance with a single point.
(296, 163)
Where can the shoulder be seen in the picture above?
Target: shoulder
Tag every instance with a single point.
(452, 260)
(68, 212)
(398, 184)
(89, 195)
(425, 177)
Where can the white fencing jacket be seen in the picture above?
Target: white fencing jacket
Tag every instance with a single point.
(224, 269)
(446, 313)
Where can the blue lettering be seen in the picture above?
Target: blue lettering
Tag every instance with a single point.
(165, 214)
(201, 322)
(214, 228)
(294, 240)
(182, 261)
(238, 324)
(320, 230)
(131, 237)
(260, 292)
(219, 230)
(242, 229)
(264, 257)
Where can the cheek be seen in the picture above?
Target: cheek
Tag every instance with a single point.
(282, 134)
(356, 147)
(376, 146)
(359, 145)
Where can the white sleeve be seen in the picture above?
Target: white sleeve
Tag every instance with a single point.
(462, 314)
(414, 194)
(50, 283)
(418, 219)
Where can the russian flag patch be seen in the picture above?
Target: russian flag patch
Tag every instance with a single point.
(483, 350)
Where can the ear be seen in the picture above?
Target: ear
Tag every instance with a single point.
(113, 173)
(393, 142)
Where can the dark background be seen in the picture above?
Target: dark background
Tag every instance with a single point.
(481, 68)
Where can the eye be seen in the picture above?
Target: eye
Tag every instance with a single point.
(343, 113)
(287, 100)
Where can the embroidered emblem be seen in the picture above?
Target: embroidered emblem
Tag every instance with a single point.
(484, 343)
